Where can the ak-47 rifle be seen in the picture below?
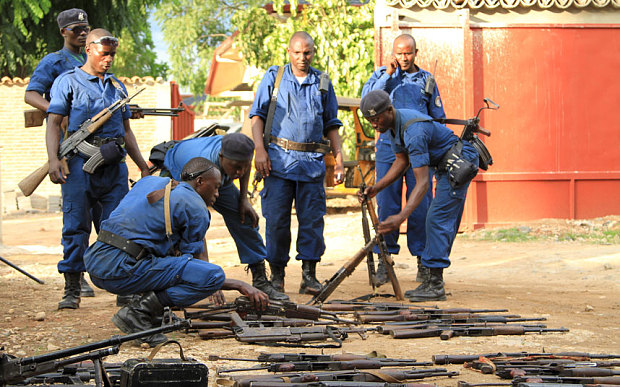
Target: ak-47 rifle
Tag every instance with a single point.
(460, 359)
(292, 336)
(265, 357)
(331, 284)
(75, 143)
(445, 333)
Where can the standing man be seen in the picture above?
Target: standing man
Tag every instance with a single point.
(292, 159)
(420, 144)
(406, 84)
(152, 243)
(73, 24)
(78, 95)
(232, 155)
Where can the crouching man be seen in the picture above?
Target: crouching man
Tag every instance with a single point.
(152, 243)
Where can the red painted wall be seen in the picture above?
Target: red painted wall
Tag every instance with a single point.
(556, 138)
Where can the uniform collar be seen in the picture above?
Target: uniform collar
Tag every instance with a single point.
(402, 73)
(397, 122)
(90, 77)
(312, 76)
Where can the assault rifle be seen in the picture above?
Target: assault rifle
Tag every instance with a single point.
(16, 370)
(339, 384)
(293, 336)
(74, 144)
(460, 359)
(410, 318)
(296, 357)
(360, 364)
(609, 380)
(358, 377)
(445, 333)
(331, 284)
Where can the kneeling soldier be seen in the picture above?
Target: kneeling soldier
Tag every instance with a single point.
(152, 243)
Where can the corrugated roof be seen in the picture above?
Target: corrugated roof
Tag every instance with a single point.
(7, 81)
(507, 4)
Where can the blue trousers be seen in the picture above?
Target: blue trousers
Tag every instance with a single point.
(83, 194)
(444, 216)
(177, 281)
(389, 202)
(277, 199)
(250, 245)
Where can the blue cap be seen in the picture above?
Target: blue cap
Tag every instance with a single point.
(237, 146)
(374, 103)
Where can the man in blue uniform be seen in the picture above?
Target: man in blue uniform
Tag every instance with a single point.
(73, 24)
(79, 94)
(152, 243)
(293, 164)
(423, 144)
(232, 154)
(406, 84)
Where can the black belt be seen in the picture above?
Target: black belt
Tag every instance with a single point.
(98, 141)
(131, 248)
(287, 144)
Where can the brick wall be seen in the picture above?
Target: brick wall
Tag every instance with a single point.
(22, 150)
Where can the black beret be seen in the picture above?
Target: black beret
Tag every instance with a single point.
(71, 16)
(237, 146)
(375, 102)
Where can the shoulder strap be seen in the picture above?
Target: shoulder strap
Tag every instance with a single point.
(407, 124)
(167, 217)
(272, 107)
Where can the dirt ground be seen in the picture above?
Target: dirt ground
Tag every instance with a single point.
(573, 284)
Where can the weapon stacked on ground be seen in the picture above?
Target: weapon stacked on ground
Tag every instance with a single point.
(16, 370)
(170, 112)
(75, 143)
(283, 323)
(19, 269)
(445, 332)
(542, 368)
(359, 377)
(366, 252)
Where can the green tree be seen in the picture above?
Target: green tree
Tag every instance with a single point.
(29, 31)
(343, 36)
(192, 30)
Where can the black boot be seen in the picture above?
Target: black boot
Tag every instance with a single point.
(381, 276)
(126, 299)
(423, 271)
(309, 283)
(277, 277)
(139, 316)
(85, 289)
(260, 282)
(71, 298)
(433, 291)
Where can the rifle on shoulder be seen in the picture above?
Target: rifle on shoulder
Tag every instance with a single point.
(75, 143)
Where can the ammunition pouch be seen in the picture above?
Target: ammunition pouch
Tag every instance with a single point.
(460, 171)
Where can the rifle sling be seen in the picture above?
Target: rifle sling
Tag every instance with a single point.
(272, 107)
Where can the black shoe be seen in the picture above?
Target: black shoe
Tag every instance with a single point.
(381, 276)
(260, 282)
(71, 298)
(85, 289)
(423, 272)
(277, 277)
(432, 290)
(140, 316)
(309, 283)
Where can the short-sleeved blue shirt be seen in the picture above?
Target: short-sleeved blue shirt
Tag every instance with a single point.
(425, 142)
(80, 96)
(184, 151)
(303, 114)
(143, 223)
(50, 67)
(406, 91)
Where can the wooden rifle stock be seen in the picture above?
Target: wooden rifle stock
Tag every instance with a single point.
(384, 255)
